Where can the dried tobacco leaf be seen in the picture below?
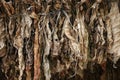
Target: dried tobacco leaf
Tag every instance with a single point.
(58, 40)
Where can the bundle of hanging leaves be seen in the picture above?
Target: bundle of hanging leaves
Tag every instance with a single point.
(42, 38)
